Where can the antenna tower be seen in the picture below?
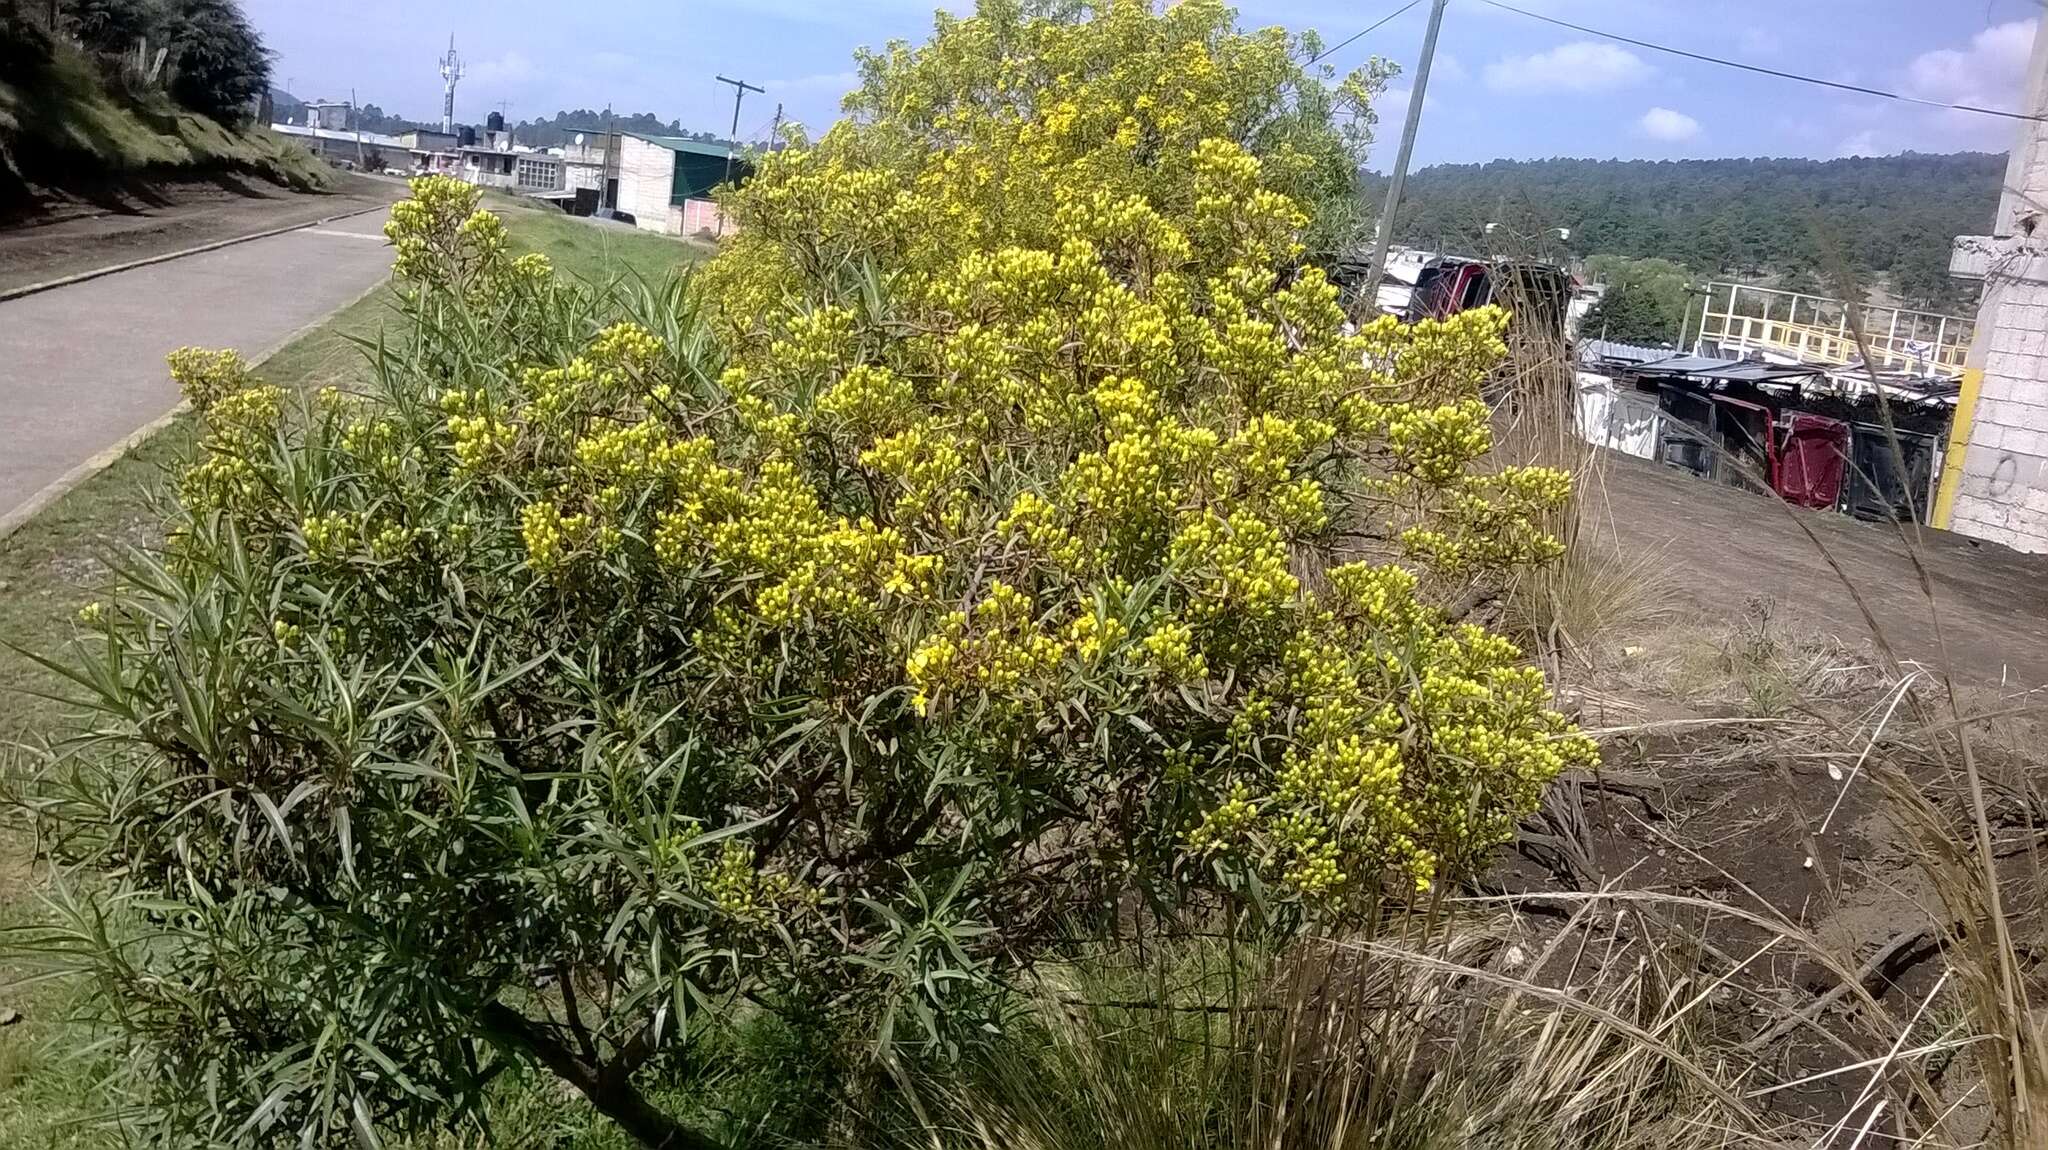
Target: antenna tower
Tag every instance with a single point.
(451, 71)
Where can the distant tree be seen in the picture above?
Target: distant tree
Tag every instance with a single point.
(568, 123)
(1645, 300)
(112, 27)
(1919, 276)
(1801, 278)
(1894, 214)
(371, 118)
(221, 64)
(24, 54)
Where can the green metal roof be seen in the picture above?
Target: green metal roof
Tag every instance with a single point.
(683, 144)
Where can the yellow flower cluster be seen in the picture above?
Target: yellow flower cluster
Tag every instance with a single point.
(1492, 522)
(549, 535)
(423, 227)
(925, 466)
(870, 401)
(476, 435)
(1238, 566)
(997, 650)
(331, 537)
(1225, 825)
(1170, 649)
(1437, 444)
(446, 241)
(744, 894)
(240, 427)
(1094, 634)
(206, 377)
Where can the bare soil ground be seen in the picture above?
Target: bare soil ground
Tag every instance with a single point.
(1747, 730)
(63, 235)
(1726, 548)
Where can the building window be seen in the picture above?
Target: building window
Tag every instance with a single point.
(536, 174)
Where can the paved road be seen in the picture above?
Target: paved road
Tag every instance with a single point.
(82, 367)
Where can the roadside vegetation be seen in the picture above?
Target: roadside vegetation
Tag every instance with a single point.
(129, 89)
(991, 659)
(57, 563)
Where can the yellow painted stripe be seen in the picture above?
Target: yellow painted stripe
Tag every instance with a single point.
(1958, 447)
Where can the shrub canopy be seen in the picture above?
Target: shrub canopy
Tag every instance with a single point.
(219, 66)
(966, 556)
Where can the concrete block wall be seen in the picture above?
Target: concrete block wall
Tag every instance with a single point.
(700, 216)
(2003, 493)
(647, 175)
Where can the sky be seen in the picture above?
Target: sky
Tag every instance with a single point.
(1504, 85)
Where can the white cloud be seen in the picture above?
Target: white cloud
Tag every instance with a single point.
(1991, 72)
(1581, 66)
(1449, 69)
(1666, 124)
(510, 68)
(1864, 143)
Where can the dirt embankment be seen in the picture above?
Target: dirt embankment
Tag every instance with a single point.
(78, 231)
(1724, 548)
(1763, 767)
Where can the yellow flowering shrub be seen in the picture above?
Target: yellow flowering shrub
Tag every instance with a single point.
(961, 553)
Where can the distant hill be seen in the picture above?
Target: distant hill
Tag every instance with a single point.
(538, 133)
(1800, 219)
(566, 123)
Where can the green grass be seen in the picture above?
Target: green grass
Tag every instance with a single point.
(590, 249)
(55, 564)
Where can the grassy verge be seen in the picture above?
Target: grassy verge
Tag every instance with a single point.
(54, 565)
(592, 249)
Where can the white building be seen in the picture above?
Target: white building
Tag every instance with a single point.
(665, 182)
(370, 150)
(497, 162)
(1995, 482)
(327, 114)
(415, 150)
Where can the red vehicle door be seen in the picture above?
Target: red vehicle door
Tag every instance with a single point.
(1812, 459)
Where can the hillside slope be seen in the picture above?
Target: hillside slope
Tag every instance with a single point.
(1893, 215)
(63, 128)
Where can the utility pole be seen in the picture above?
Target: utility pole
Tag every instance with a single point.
(357, 116)
(740, 88)
(1385, 237)
(608, 194)
(775, 132)
(607, 183)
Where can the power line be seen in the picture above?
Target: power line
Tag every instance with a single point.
(1761, 70)
(1367, 30)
